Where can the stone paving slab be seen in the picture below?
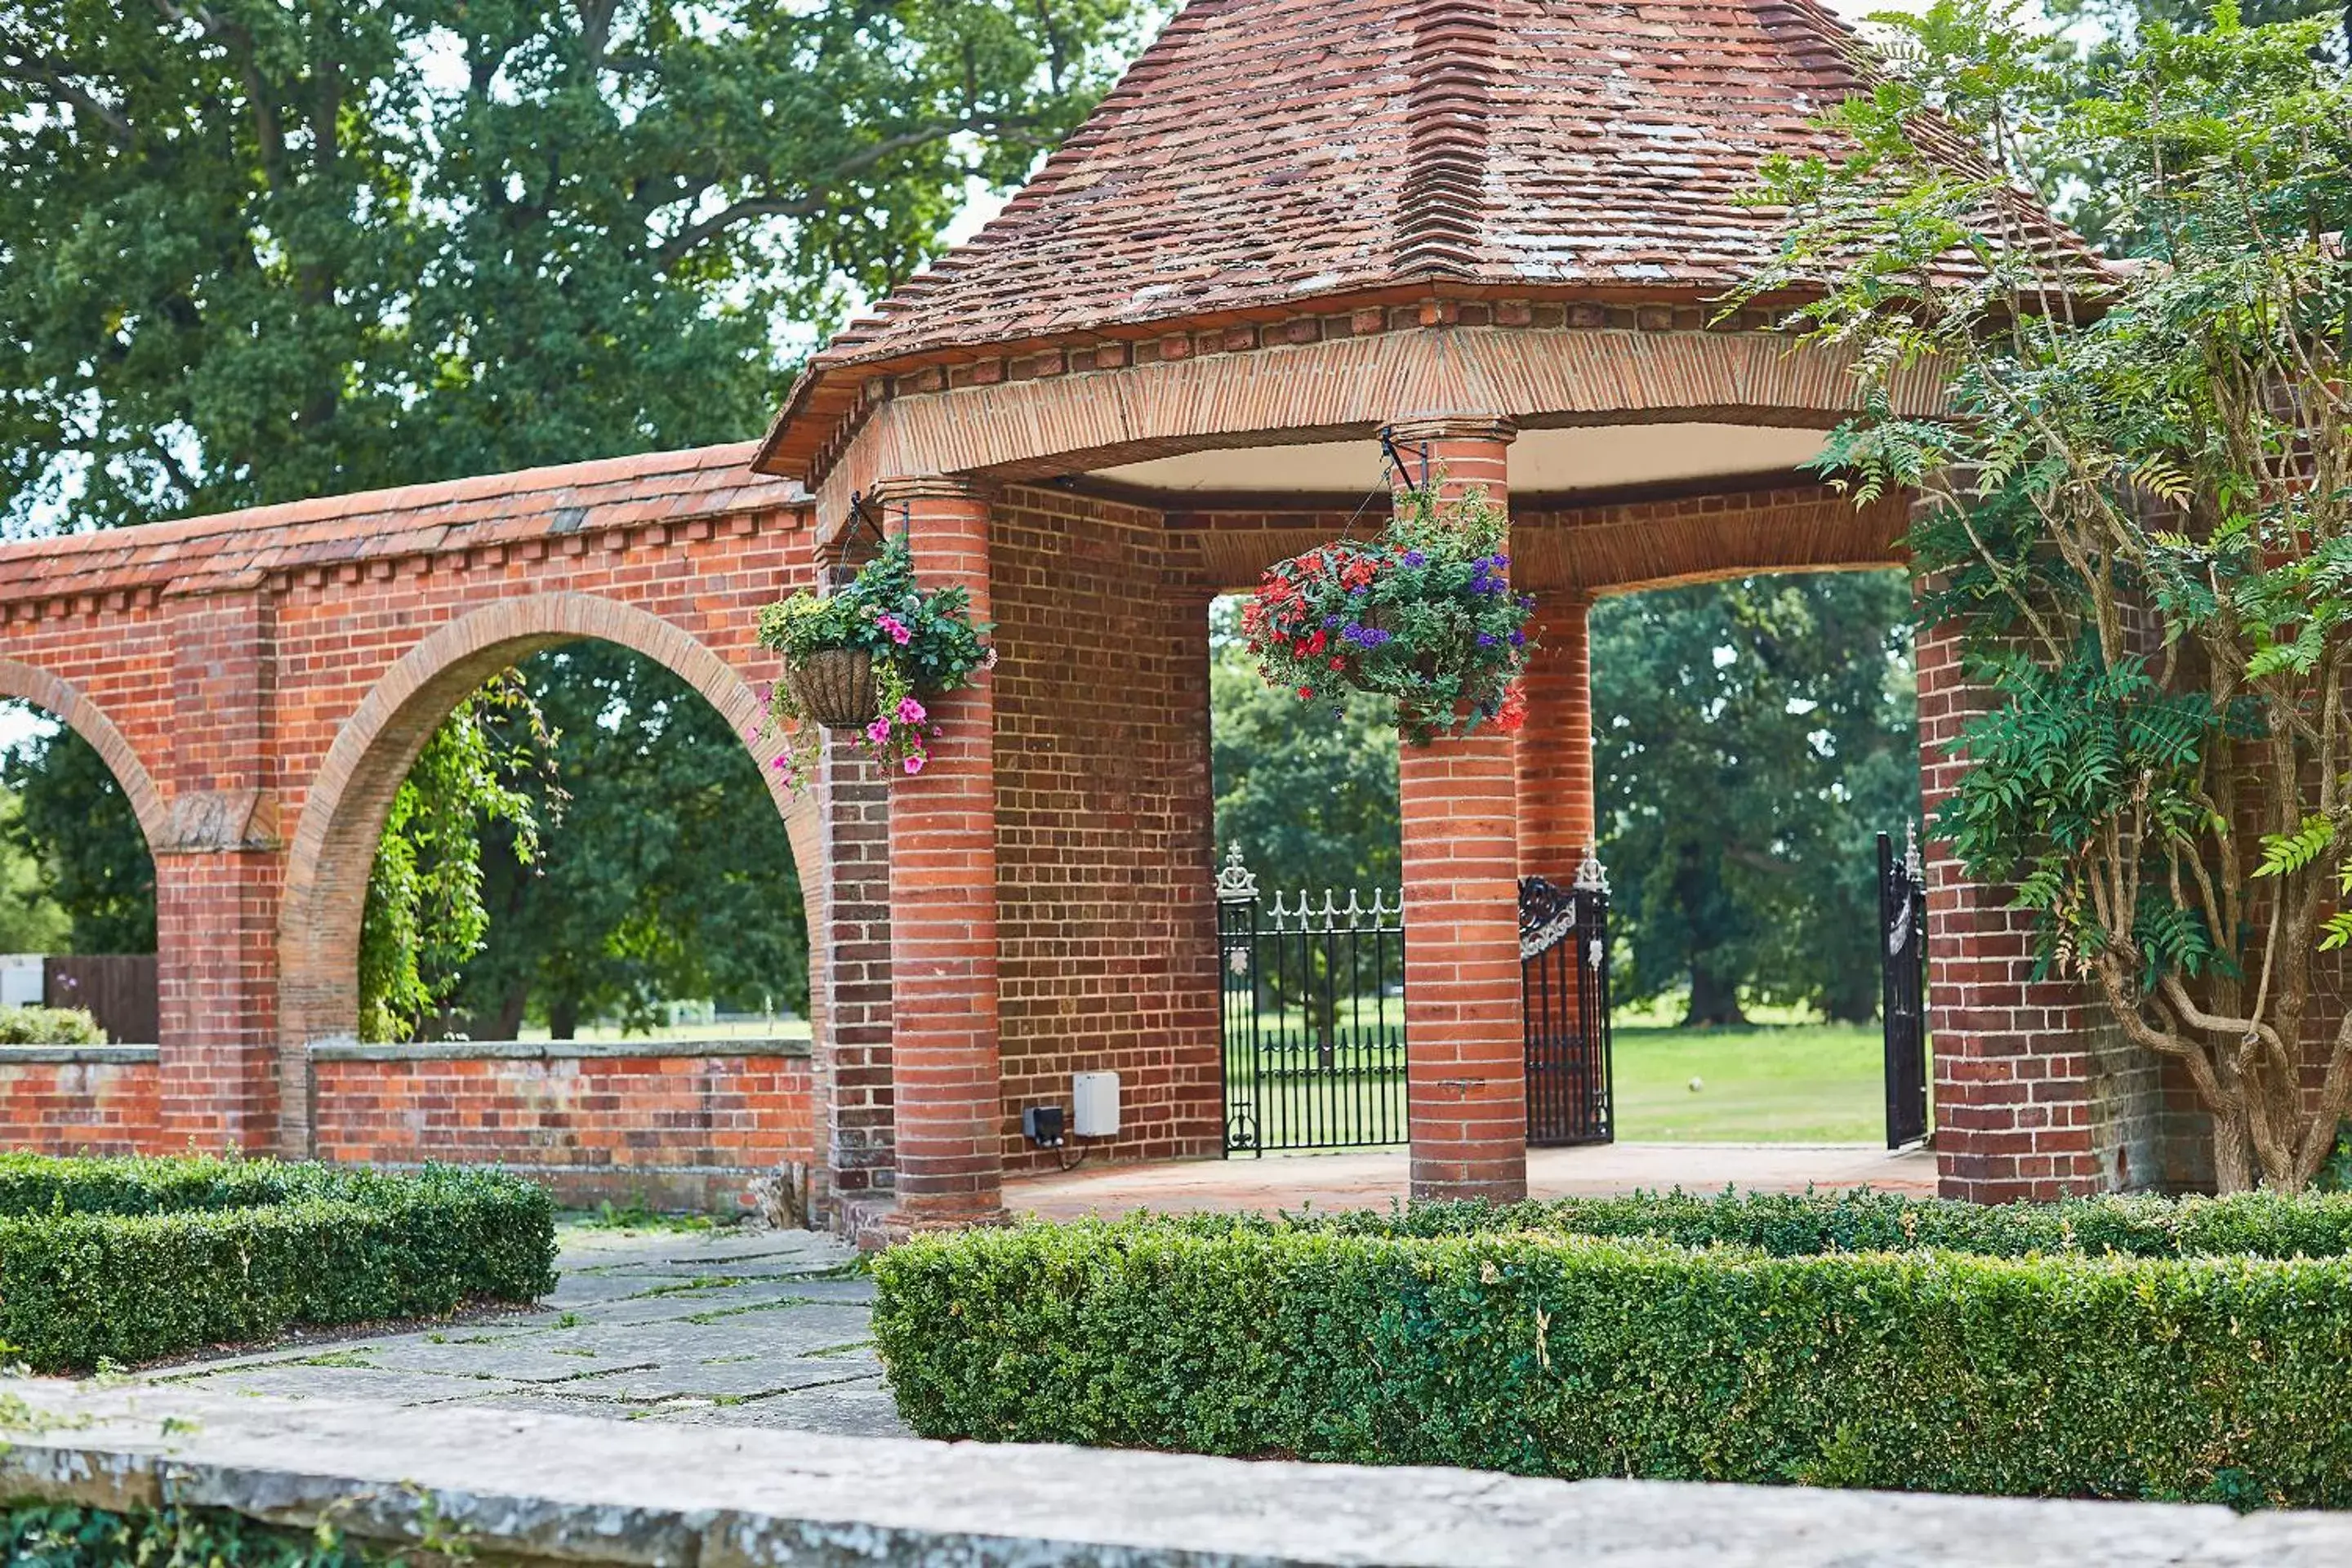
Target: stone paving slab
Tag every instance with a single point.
(300, 1380)
(509, 1482)
(651, 1324)
(1375, 1178)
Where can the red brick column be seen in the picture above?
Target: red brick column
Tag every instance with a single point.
(217, 880)
(1555, 746)
(2024, 1107)
(944, 901)
(852, 1054)
(1465, 1068)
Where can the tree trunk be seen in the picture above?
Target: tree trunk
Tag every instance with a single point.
(511, 1010)
(1853, 999)
(564, 1017)
(1714, 1002)
(2234, 1153)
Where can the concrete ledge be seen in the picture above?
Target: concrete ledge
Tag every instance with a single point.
(512, 1486)
(551, 1050)
(77, 1055)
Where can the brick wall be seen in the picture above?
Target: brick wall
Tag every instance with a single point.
(79, 1100)
(674, 1125)
(1107, 929)
(2037, 1092)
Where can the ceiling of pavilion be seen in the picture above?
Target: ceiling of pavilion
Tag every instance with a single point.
(1590, 457)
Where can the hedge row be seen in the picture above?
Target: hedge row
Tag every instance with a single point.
(2066, 1374)
(41, 1184)
(130, 1260)
(1795, 1225)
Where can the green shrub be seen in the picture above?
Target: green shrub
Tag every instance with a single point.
(67, 1536)
(49, 1026)
(1796, 1225)
(1546, 1352)
(130, 1260)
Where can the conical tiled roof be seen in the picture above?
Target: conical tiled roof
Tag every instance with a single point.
(1265, 153)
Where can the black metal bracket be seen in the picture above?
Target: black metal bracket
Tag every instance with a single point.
(858, 513)
(1395, 455)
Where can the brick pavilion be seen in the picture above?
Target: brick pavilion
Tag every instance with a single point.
(1491, 233)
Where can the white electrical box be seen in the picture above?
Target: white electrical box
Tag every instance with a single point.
(1094, 1103)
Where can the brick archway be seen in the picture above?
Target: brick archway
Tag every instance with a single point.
(342, 818)
(85, 718)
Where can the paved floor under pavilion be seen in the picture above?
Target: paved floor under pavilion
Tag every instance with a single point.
(1361, 1178)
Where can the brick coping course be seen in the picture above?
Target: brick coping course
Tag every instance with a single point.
(553, 1050)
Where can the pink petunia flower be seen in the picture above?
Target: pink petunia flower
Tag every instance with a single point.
(897, 629)
(910, 711)
(878, 731)
(915, 763)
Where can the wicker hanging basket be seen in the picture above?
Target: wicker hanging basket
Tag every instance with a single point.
(833, 686)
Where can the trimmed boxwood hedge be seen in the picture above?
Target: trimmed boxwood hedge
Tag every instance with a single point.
(130, 1260)
(2018, 1356)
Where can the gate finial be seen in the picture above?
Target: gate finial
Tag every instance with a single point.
(1911, 862)
(1236, 885)
(1590, 876)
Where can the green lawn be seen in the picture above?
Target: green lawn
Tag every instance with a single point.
(1791, 1083)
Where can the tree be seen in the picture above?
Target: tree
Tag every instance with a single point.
(258, 252)
(2142, 517)
(669, 877)
(1308, 791)
(425, 919)
(31, 921)
(74, 822)
(1750, 740)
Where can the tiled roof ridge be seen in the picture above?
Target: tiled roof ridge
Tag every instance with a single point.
(1441, 207)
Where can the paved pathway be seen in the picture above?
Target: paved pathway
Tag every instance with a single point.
(708, 1328)
(771, 1328)
(1370, 1179)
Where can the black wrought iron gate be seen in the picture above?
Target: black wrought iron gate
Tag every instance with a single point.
(1903, 962)
(1564, 986)
(1313, 1010)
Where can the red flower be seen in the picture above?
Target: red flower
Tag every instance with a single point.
(1338, 664)
(1514, 714)
(1307, 694)
(1316, 643)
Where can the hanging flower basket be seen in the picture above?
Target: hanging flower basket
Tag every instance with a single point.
(868, 657)
(1423, 615)
(833, 686)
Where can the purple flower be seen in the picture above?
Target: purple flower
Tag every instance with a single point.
(1366, 636)
(1518, 639)
(1487, 639)
(1414, 558)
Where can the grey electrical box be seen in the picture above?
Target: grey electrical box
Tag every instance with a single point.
(1094, 1099)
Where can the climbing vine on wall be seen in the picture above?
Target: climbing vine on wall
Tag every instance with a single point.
(424, 914)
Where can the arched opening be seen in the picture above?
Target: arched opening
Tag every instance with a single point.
(1752, 736)
(651, 896)
(1311, 908)
(628, 675)
(79, 818)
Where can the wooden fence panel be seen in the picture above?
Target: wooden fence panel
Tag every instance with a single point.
(118, 989)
